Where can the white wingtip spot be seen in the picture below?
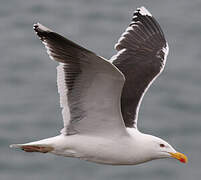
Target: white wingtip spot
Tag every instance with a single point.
(144, 11)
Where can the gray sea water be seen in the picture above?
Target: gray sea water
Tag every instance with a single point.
(29, 102)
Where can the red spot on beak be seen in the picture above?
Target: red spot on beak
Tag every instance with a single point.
(182, 160)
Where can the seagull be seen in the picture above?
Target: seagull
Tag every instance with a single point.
(100, 98)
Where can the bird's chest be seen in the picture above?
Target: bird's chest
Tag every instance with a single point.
(115, 151)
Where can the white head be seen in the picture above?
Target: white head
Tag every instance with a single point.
(158, 148)
(151, 147)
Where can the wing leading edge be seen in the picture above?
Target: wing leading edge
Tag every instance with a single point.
(89, 87)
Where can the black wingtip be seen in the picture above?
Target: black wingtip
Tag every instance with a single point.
(40, 28)
(143, 31)
(35, 26)
(41, 31)
(143, 16)
(142, 11)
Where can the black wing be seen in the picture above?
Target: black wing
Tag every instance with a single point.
(142, 51)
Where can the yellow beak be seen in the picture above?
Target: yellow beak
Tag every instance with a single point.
(181, 157)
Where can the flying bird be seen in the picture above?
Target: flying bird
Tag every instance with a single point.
(100, 98)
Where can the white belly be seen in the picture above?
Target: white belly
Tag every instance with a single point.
(104, 150)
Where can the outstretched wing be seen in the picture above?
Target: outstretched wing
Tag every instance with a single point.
(89, 87)
(142, 51)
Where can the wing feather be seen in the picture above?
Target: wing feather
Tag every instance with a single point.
(142, 51)
(89, 87)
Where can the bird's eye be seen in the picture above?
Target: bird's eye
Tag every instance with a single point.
(162, 145)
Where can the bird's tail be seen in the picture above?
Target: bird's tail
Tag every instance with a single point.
(42, 146)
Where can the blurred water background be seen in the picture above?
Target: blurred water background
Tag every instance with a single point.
(29, 102)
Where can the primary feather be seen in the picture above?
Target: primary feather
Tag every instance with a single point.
(142, 51)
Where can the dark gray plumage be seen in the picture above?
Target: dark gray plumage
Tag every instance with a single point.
(142, 51)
